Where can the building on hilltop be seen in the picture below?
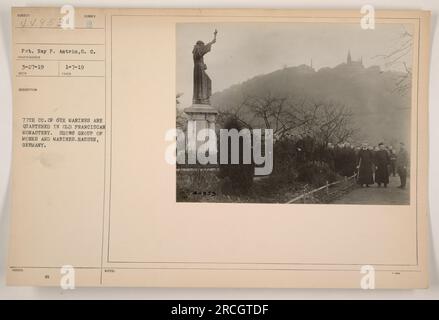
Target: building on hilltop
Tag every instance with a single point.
(351, 62)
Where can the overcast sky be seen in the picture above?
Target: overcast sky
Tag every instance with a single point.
(244, 50)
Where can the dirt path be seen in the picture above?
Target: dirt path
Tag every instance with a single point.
(374, 195)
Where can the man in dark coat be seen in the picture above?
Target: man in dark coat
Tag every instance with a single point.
(392, 161)
(382, 160)
(402, 162)
(365, 162)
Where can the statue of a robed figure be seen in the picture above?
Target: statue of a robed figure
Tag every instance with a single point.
(202, 82)
(201, 115)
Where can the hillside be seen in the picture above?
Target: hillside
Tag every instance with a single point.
(380, 111)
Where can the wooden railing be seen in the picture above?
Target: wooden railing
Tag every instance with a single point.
(326, 186)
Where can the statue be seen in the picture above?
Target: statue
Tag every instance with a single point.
(202, 82)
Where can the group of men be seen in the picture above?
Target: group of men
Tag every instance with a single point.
(372, 164)
(375, 165)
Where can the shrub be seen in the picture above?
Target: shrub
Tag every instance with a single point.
(238, 178)
(316, 173)
(196, 183)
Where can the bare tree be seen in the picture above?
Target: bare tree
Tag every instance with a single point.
(332, 123)
(280, 114)
(177, 96)
(397, 58)
(181, 118)
(236, 113)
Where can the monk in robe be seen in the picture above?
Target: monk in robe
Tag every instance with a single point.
(382, 161)
(365, 163)
(202, 82)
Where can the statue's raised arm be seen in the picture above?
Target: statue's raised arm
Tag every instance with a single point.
(214, 37)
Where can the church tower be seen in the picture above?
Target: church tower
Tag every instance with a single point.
(349, 59)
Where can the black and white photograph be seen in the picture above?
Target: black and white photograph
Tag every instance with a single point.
(228, 152)
(294, 113)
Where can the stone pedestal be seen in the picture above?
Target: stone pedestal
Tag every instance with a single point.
(201, 116)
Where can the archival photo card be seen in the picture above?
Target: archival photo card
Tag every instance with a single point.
(219, 148)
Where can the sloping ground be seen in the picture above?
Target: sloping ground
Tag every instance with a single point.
(204, 186)
(391, 195)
